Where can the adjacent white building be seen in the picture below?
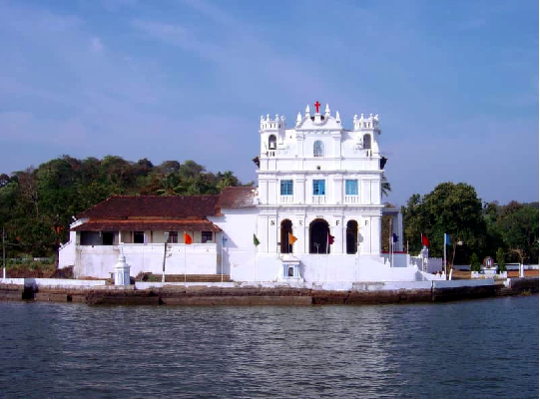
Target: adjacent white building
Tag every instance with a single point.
(314, 217)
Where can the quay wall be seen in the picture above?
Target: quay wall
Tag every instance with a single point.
(255, 293)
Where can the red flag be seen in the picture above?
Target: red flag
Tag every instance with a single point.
(330, 239)
(187, 239)
(425, 240)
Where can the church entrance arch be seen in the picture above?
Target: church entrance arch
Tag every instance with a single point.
(318, 236)
(286, 228)
(352, 237)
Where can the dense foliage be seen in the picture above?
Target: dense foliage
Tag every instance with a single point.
(474, 227)
(37, 205)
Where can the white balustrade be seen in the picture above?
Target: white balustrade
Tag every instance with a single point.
(286, 199)
(352, 199)
(318, 200)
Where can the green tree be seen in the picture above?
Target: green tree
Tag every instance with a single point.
(475, 263)
(37, 204)
(450, 208)
(227, 179)
(501, 264)
(520, 232)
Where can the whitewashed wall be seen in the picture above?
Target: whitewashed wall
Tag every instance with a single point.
(99, 261)
(238, 226)
(327, 268)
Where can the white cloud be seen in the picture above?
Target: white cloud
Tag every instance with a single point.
(96, 45)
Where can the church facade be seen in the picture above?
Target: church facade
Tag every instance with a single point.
(319, 206)
(314, 217)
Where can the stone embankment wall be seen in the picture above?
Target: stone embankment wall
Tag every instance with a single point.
(203, 294)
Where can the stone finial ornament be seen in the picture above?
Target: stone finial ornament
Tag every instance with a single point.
(299, 117)
(308, 114)
(327, 111)
(338, 118)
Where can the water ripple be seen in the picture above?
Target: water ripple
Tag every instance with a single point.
(485, 348)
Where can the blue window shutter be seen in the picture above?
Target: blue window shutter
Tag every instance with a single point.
(287, 188)
(319, 187)
(351, 187)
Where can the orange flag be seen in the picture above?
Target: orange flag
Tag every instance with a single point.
(187, 238)
(292, 238)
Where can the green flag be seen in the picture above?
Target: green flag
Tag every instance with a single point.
(255, 240)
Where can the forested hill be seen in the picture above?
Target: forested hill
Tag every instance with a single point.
(37, 204)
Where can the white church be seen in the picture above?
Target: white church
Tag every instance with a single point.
(314, 217)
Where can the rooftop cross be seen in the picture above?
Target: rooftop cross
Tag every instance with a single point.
(317, 105)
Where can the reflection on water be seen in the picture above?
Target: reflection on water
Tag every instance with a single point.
(486, 348)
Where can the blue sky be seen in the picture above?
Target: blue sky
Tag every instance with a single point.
(455, 83)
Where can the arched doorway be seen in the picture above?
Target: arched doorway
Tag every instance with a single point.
(352, 237)
(318, 236)
(286, 228)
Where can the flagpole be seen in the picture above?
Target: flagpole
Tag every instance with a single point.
(222, 249)
(255, 257)
(444, 244)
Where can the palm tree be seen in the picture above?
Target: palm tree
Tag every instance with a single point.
(385, 186)
(227, 179)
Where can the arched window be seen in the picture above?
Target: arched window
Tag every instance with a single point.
(352, 237)
(318, 149)
(367, 141)
(272, 142)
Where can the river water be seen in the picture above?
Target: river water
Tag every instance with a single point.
(482, 348)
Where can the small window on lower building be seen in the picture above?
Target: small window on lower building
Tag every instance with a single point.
(108, 238)
(173, 237)
(207, 236)
(138, 237)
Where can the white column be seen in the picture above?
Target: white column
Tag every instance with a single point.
(375, 235)
(338, 190)
(300, 190)
(299, 233)
(340, 236)
(272, 191)
(273, 231)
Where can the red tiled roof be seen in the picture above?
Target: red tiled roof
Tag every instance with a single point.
(237, 197)
(123, 207)
(148, 224)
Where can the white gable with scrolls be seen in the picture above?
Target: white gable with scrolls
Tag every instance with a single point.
(319, 141)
